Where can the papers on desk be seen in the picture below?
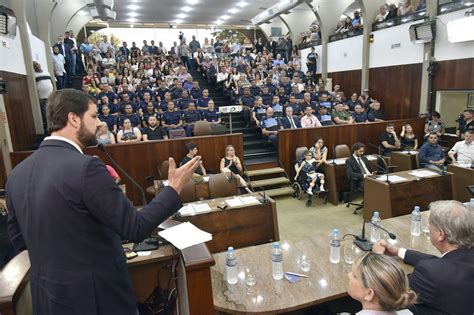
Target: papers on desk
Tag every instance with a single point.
(423, 173)
(193, 209)
(242, 201)
(463, 164)
(185, 235)
(371, 157)
(166, 182)
(412, 152)
(205, 179)
(391, 178)
(340, 161)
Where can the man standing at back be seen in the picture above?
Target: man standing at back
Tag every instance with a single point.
(445, 284)
(66, 210)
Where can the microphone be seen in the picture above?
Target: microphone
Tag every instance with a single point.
(363, 243)
(472, 159)
(262, 194)
(390, 234)
(101, 147)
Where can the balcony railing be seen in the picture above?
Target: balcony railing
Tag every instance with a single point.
(418, 15)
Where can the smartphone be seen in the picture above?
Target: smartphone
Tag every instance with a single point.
(129, 253)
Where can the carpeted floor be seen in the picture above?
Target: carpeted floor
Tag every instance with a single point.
(297, 221)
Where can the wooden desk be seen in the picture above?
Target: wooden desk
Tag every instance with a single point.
(396, 199)
(326, 281)
(202, 188)
(403, 160)
(336, 177)
(462, 177)
(241, 226)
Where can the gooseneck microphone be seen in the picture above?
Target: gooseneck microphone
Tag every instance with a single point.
(262, 194)
(101, 147)
(363, 243)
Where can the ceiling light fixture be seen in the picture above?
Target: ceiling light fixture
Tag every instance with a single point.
(219, 22)
(192, 2)
(242, 4)
(224, 17)
(178, 21)
(233, 10)
(182, 15)
(133, 7)
(132, 20)
(132, 14)
(82, 13)
(187, 9)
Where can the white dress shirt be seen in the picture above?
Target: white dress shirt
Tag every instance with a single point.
(65, 140)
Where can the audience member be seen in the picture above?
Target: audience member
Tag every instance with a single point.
(320, 153)
(443, 284)
(314, 181)
(192, 152)
(44, 87)
(211, 114)
(375, 113)
(465, 123)
(341, 116)
(431, 153)
(290, 121)
(324, 117)
(464, 150)
(359, 115)
(358, 167)
(59, 70)
(382, 14)
(152, 131)
(231, 166)
(389, 141)
(128, 133)
(406, 8)
(171, 119)
(309, 120)
(312, 61)
(408, 138)
(434, 125)
(190, 117)
(104, 136)
(379, 284)
(270, 126)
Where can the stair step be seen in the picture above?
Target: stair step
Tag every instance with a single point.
(253, 144)
(254, 161)
(282, 191)
(265, 171)
(261, 149)
(270, 182)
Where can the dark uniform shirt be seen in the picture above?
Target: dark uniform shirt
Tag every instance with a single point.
(191, 116)
(171, 118)
(211, 115)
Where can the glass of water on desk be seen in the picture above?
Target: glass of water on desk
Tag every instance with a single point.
(304, 263)
(350, 252)
(250, 281)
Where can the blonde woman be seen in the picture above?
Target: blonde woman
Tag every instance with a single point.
(104, 136)
(231, 166)
(380, 285)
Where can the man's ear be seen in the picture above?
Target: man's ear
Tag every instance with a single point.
(74, 120)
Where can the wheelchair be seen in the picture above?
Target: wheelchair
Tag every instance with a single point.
(301, 185)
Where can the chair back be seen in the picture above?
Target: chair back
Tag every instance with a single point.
(299, 153)
(177, 133)
(417, 160)
(342, 151)
(188, 193)
(164, 169)
(202, 128)
(222, 186)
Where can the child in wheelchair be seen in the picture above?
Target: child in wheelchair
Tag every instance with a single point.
(307, 174)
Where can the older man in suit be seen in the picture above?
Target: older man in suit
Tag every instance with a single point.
(358, 166)
(290, 121)
(445, 284)
(66, 210)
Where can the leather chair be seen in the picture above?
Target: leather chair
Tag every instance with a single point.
(342, 151)
(163, 169)
(202, 128)
(188, 193)
(222, 186)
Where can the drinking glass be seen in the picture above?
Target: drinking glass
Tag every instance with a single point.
(304, 263)
(250, 281)
(350, 252)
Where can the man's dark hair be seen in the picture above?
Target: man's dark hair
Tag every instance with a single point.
(190, 146)
(471, 132)
(63, 102)
(356, 146)
(391, 125)
(469, 111)
(433, 133)
(436, 114)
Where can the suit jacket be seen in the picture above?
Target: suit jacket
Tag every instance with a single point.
(67, 53)
(67, 211)
(286, 122)
(444, 285)
(353, 170)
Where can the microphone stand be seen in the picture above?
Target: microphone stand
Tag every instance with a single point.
(262, 194)
(334, 155)
(386, 170)
(472, 159)
(363, 243)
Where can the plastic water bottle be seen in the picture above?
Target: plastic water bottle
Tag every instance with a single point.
(375, 231)
(335, 247)
(471, 201)
(231, 266)
(277, 261)
(415, 229)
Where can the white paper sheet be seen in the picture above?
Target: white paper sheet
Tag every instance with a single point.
(250, 200)
(205, 179)
(423, 173)
(234, 202)
(341, 161)
(201, 207)
(187, 211)
(371, 157)
(412, 152)
(147, 253)
(391, 178)
(185, 235)
(166, 182)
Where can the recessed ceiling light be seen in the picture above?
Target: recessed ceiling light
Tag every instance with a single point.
(82, 13)
(233, 10)
(218, 22)
(133, 7)
(187, 9)
(132, 14)
(242, 4)
(132, 20)
(178, 21)
(192, 1)
(224, 17)
(182, 15)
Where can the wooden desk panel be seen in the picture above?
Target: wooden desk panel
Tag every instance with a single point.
(462, 177)
(403, 161)
(396, 199)
(290, 139)
(142, 159)
(326, 281)
(238, 227)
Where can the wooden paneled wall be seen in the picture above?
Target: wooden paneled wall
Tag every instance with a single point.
(398, 90)
(348, 80)
(290, 139)
(142, 159)
(18, 108)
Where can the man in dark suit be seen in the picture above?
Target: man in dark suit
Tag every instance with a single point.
(66, 50)
(358, 167)
(290, 121)
(445, 284)
(272, 46)
(66, 210)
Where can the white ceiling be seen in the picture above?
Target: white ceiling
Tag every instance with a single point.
(204, 12)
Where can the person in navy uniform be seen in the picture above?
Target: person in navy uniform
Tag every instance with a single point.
(267, 97)
(211, 114)
(177, 92)
(163, 106)
(359, 115)
(284, 98)
(202, 103)
(258, 111)
(160, 92)
(72, 217)
(277, 107)
(109, 119)
(312, 61)
(129, 114)
(171, 119)
(143, 88)
(271, 87)
(184, 101)
(149, 111)
(126, 101)
(254, 89)
(247, 101)
(270, 126)
(104, 101)
(141, 106)
(324, 117)
(196, 92)
(189, 118)
(295, 106)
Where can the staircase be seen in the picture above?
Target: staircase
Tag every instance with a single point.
(270, 177)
